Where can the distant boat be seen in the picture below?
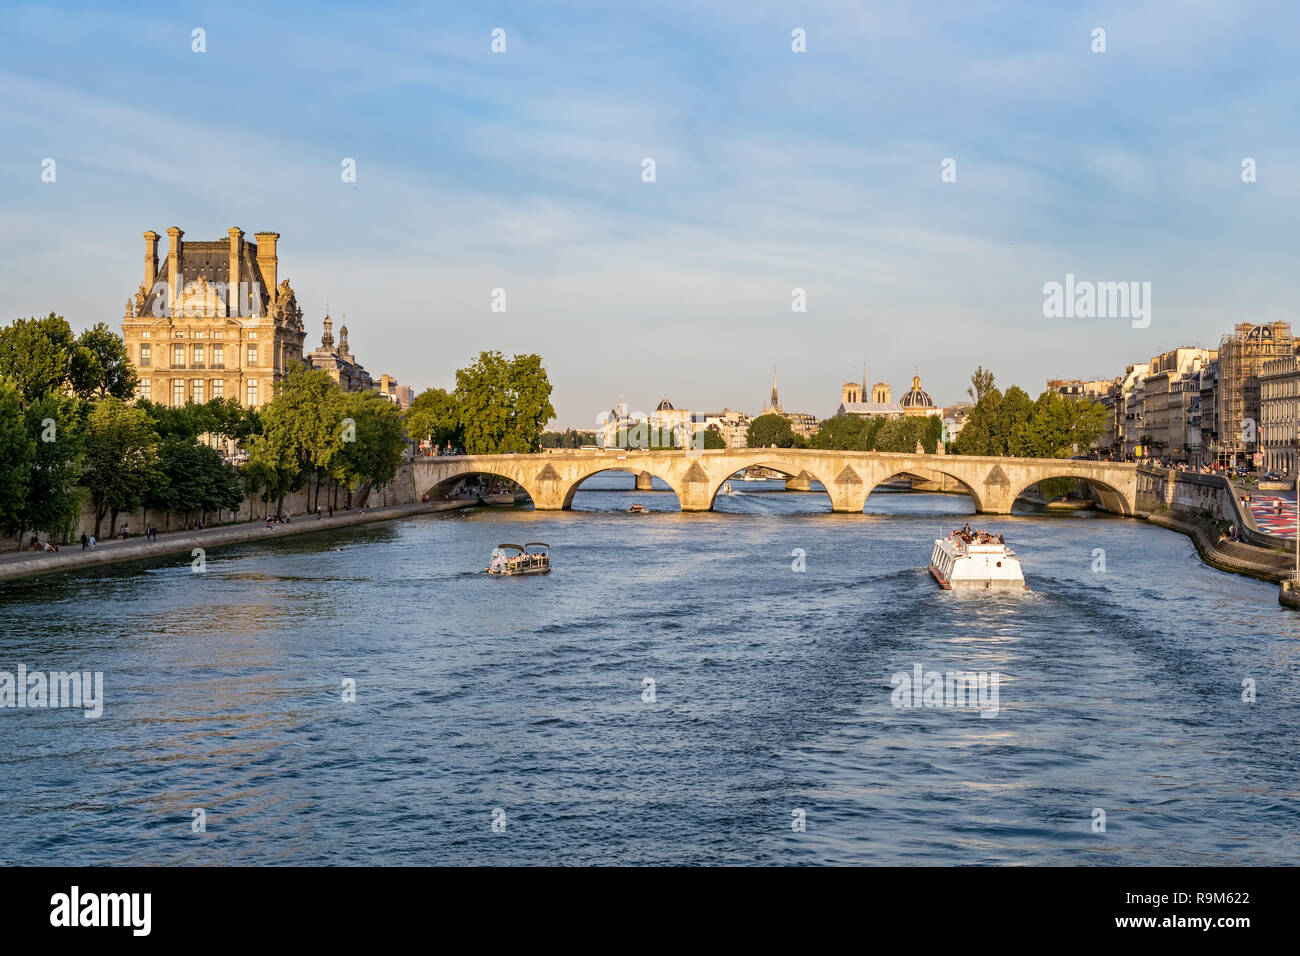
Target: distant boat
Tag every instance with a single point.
(513, 559)
(983, 562)
(727, 489)
(748, 475)
(636, 509)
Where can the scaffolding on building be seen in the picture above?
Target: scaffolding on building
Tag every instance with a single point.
(1242, 354)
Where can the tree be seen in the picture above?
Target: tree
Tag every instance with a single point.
(503, 404)
(981, 383)
(54, 425)
(196, 479)
(978, 435)
(36, 354)
(1013, 412)
(1060, 427)
(434, 416)
(100, 365)
(770, 429)
(933, 434)
(122, 464)
(374, 454)
(302, 431)
(713, 439)
(16, 453)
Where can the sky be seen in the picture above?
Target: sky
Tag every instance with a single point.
(775, 170)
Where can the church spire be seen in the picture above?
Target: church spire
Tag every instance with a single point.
(776, 402)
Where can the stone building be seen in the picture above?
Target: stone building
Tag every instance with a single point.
(339, 362)
(1172, 401)
(1242, 354)
(671, 425)
(916, 401)
(801, 423)
(731, 425)
(853, 400)
(1095, 389)
(1279, 420)
(217, 323)
(1209, 413)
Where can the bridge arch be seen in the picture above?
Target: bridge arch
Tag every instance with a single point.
(1113, 499)
(966, 485)
(442, 485)
(567, 503)
(763, 458)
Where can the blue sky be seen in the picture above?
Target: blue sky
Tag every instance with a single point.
(775, 170)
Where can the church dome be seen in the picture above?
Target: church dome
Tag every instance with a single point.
(665, 406)
(917, 397)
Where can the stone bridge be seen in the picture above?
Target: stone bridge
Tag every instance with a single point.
(551, 480)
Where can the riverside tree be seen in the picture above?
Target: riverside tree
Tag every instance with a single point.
(374, 453)
(435, 417)
(194, 478)
(54, 426)
(122, 463)
(16, 451)
(503, 404)
(771, 429)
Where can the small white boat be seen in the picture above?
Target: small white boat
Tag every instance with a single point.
(727, 489)
(975, 561)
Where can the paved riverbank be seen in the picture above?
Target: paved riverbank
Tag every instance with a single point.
(26, 564)
(1235, 556)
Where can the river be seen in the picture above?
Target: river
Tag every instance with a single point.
(509, 721)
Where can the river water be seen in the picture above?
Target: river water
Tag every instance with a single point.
(524, 702)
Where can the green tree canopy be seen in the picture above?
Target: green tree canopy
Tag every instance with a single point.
(770, 429)
(434, 416)
(981, 383)
(36, 355)
(503, 404)
(100, 366)
(17, 450)
(54, 424)
(122, 461)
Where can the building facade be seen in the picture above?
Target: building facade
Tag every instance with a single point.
(338, 361)
(217, 323)
(1095, 389)
(801, 423)
(1242, 354)
(1279, 424)
(1171, 399)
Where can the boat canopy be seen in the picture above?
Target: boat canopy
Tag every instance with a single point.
(514, 546)
(537, 544)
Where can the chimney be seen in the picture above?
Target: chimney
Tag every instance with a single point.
(175, 272)
(236, 253)
(266, 260)
(150, 260)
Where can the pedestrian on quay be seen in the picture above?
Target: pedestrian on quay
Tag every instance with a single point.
(92, 542)
(85, 542)
(318, 512)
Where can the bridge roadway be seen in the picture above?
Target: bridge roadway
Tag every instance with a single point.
(551, 480)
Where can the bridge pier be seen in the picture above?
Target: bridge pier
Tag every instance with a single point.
(644, 482)
(803, 482)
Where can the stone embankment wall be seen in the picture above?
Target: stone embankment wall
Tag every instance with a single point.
(400, 491)
(1193, 503)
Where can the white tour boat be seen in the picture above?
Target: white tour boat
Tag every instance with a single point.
(975, 560)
